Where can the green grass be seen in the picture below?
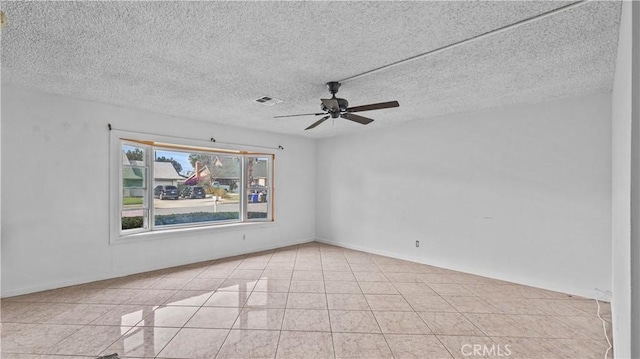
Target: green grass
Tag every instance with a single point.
(131, 200)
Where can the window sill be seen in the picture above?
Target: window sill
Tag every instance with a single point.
(179, 232)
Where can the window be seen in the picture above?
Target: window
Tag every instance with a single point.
(167, 186)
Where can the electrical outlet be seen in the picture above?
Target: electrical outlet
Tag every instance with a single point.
(417, 244)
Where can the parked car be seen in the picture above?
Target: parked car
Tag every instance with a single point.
(166, 192)
(217, 184)
(193, 192)
(197, 192)
(185, 192)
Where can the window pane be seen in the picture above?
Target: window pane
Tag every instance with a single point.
(257, 172)
(133, 155)
(134, 219)
(257, 203)
(195, 188)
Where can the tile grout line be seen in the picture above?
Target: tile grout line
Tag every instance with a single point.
(326, 298)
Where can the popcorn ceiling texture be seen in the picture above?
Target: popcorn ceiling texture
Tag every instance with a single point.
(210, 60)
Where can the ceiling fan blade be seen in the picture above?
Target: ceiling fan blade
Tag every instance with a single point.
(356, 118)
(330, 103)
(317, 122)
(374, 106)
(304, 114)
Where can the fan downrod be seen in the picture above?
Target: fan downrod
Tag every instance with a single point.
(333, 87)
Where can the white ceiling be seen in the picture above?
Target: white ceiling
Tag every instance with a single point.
(210, 60)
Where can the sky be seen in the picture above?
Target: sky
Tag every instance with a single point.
(181, 157)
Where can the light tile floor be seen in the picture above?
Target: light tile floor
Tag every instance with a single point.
(306, 301)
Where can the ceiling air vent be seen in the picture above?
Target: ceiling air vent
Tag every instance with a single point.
(268, 100)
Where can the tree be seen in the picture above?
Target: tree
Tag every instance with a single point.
(175, 163)
(136, 155)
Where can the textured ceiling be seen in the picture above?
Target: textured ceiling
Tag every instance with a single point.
(210, 60)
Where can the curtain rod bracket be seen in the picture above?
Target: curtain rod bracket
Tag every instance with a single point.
(212, 139)
(109, 126)
(280, 147)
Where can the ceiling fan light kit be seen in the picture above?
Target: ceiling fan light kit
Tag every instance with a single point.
(335, 107)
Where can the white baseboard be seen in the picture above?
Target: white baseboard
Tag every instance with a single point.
(587, 293)
(84, 280)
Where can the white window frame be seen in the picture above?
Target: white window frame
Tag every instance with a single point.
(151, 143)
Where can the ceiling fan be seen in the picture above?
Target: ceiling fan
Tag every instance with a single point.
(338, 107)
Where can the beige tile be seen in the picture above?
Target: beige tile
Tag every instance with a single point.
(353, 321)
(227, 299)
(272, 285)
(89, 340)
(556, 307)
(370, 277)
(347, 302)
(213, 317)
(74, 294)
(81, 314)
(145, 342)
(218, 273)
(307, 275)
(378, 288)
(387, 302)
(306, 286)
(151, 296)
(471, 305)
(529, 348)
(416, 346)
(307, 266)
(110, 296)
(246, 274)
(169, 283)
(549, 327)
(195, 343)
(209, 284)
(343, 287)
(297, 345)
(499, 325)
(267, 300)
(260, 318)
(580, 348)
(449, 324)
(307, 320)
(335, 266)
(586, 326)
(189, 298)
(124, 315)
(33, 338)
(401, 323)
(249, 344)
(261, 265)
(448, 289)
(237, 285)
(428, 303)
(355, 345)
(517, 305)
(277, 274)
(404, 277)
(345, 276)
(169, 316)
(364, 267)
(307, 301)
(462, 347)
(414, 289)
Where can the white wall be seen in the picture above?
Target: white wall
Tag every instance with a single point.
(520, 193)
(55, 197)
(621, 190)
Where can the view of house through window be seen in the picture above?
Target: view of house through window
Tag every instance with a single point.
(166, 188)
